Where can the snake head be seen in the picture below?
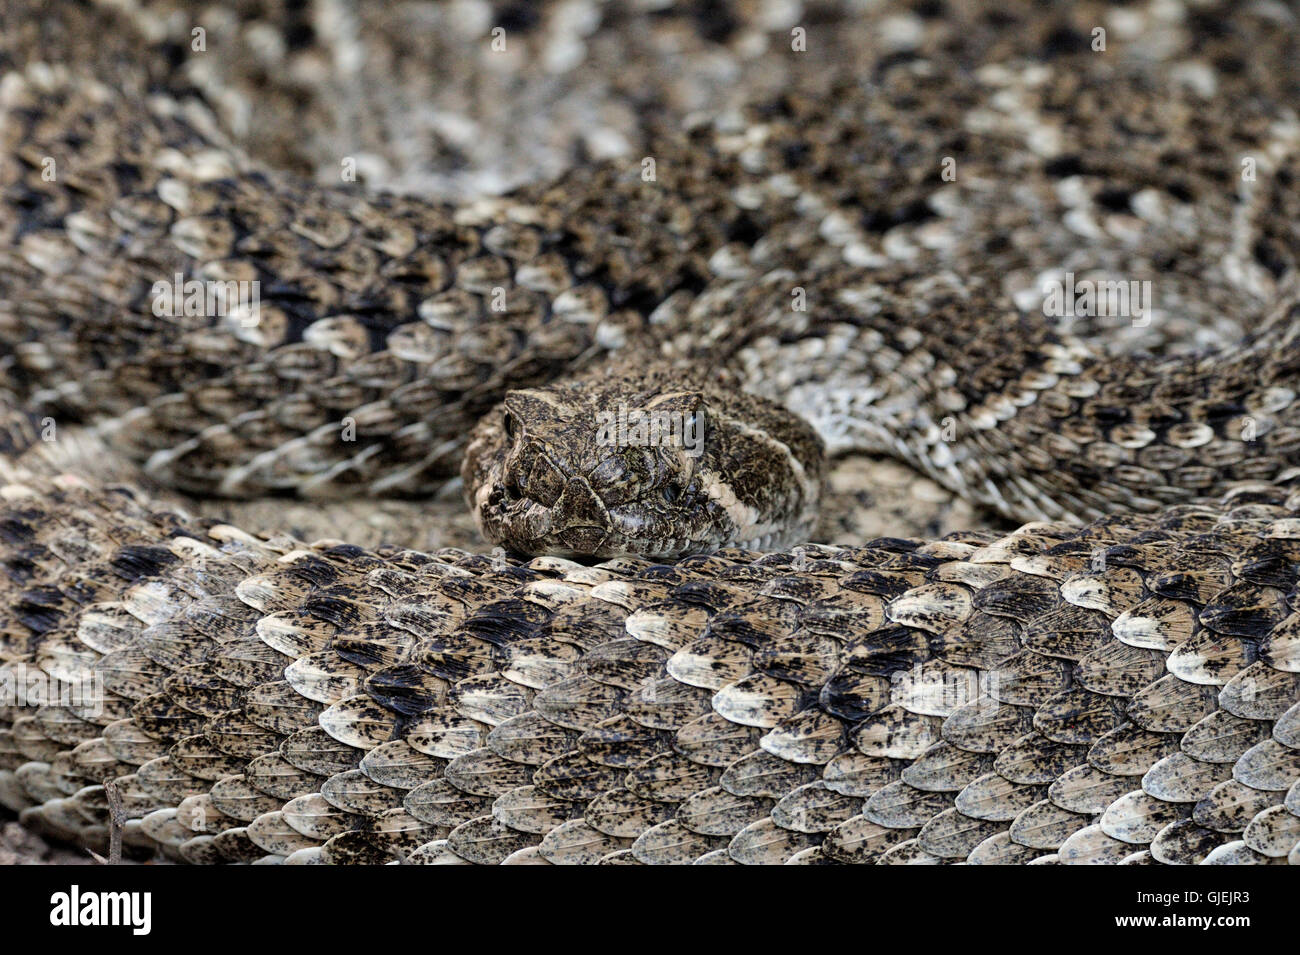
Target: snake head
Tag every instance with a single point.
(646, 463)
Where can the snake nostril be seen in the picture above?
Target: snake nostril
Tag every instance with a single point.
(510, 481)
(545, 480)
(531, 474)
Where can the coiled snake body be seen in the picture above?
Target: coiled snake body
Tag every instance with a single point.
(646, 670)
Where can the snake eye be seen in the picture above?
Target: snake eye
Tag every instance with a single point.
(668, 492)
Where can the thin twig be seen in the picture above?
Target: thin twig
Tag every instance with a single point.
(115, 822)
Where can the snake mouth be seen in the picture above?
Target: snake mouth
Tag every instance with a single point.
(584, 538)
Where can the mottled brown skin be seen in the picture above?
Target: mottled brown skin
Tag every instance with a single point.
(541, 478)
(1125, 692)
(1121, 684)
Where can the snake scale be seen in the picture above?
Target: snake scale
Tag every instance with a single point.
(832, 244)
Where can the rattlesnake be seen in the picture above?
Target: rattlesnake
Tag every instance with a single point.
(1114, 681)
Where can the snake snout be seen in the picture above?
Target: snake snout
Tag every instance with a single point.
(579, 517)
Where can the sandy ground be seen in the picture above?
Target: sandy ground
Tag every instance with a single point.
(20, 847)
